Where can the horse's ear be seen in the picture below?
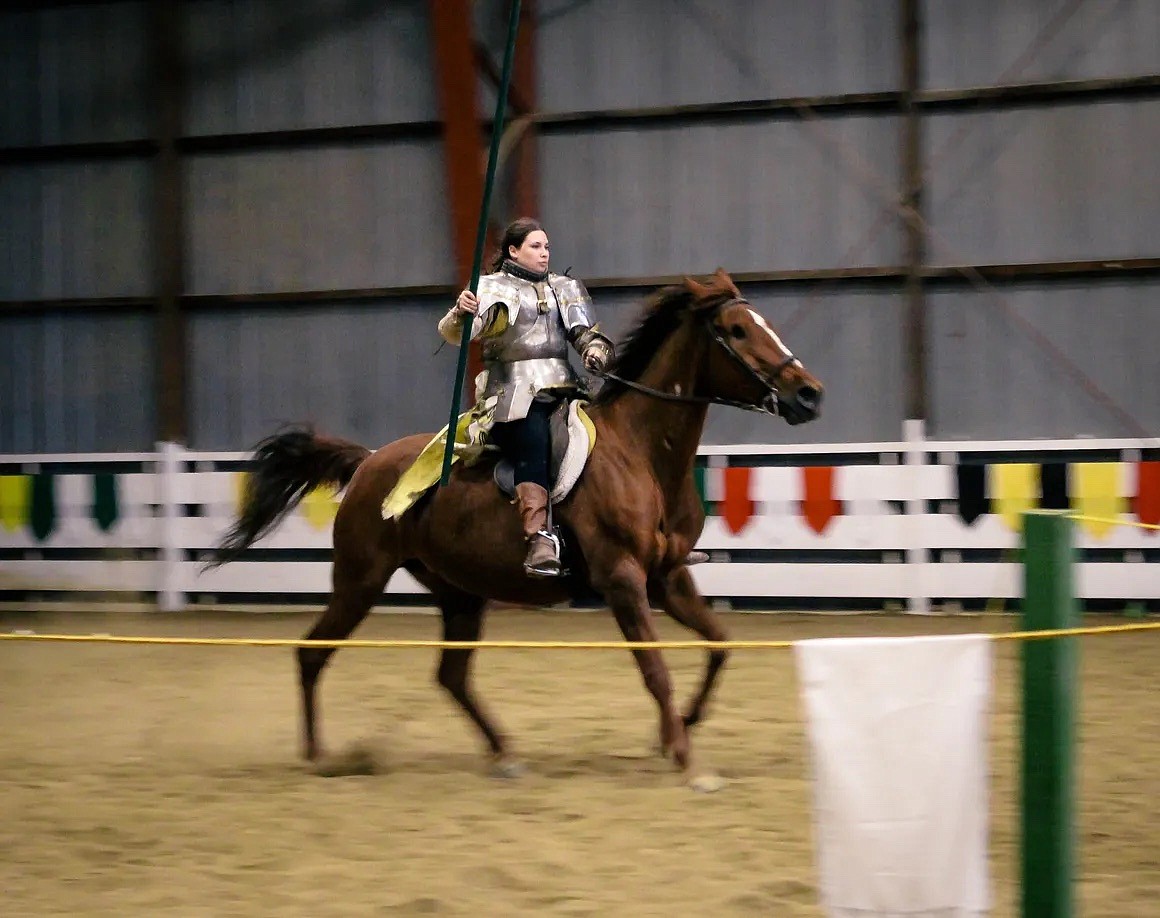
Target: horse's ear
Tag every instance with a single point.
(725, 280)
(699, 291)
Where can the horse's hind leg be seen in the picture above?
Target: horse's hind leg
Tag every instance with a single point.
(356, 587)
(677, 594)
(463, 621)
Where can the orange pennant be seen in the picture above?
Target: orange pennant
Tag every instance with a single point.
(819, 505)
(736, 508)
(1148, 493)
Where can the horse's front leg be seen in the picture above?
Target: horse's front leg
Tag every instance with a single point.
(677, 594)
(624, 589)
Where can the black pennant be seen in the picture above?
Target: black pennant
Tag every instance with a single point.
(971, 479)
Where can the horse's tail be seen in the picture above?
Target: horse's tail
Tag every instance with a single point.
(285, 468)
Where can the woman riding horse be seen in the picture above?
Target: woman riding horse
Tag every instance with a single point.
(633, 515)
(526, 318)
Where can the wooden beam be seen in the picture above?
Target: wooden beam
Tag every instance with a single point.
(168, 219)
(914, 227)
(456, 80)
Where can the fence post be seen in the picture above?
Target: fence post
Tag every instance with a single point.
(918, 598)
(1049, 708)
(170, 596)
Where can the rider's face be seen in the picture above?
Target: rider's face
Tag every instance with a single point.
(533, 254)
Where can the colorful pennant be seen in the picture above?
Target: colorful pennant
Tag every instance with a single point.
(819, 505)
(1097, 487)
(15, 500)
(1148, 493)
(701, 481)
(42, 515)
(1014, 488)
(319, 506)
(736, 508)
(971, 482)
(1053, 488)
(105, 504)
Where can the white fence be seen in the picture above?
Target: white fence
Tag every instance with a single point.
(898, 535)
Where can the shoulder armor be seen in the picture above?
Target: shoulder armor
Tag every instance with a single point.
(575, 302)
(500, 288)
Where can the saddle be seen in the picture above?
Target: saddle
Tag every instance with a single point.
(572, 437)
(559, 437)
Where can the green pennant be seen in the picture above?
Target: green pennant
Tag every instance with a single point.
(42, 516)
(105, 509)
(700, 478)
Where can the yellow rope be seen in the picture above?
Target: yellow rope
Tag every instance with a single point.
(522, 645)
(1115, 521)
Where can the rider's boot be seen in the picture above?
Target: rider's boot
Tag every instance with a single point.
(543, 558)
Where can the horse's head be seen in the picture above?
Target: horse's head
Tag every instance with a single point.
(751, 365)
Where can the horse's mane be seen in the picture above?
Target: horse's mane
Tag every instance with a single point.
(659, 318)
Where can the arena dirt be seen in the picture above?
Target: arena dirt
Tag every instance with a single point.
(165, 781)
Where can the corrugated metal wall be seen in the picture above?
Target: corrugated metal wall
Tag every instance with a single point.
(366, 372)
(648, 54)
(996, 380)
(1025, 184)
(76, 383)
(978, 43)
(317, 219)
(73, 74)
(748, 197)
(1074, 182)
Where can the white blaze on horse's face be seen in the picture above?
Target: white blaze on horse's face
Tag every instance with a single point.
(765, 326)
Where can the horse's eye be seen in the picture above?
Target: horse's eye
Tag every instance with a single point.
(737, 331)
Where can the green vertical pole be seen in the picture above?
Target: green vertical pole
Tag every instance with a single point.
(481, 231)
(1049, 710)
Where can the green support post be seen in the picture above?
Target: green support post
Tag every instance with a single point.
(1049, 711)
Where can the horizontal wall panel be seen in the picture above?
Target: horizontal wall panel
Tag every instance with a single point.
(318, 219)
(266, 65)
(750, 197)
(1073, 182)
(74, 230)
(989, 379)
(369, 373)
(985, 42)
(76, 383)
(660, 53)
(74, 73)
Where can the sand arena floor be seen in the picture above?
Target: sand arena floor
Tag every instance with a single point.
(164, 781)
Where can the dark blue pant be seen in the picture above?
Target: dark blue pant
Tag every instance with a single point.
(525, 443)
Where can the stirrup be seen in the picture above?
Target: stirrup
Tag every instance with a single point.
(553, 568)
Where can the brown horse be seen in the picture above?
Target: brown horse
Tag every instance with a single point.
(630, 521)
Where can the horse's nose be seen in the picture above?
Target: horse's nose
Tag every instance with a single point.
(809, 399)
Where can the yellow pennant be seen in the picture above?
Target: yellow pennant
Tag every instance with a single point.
(319, 506)
(1097, 487)
(1014, 490)
(15, 500)
(241, 480)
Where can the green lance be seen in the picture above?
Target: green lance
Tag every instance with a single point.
(481, 231)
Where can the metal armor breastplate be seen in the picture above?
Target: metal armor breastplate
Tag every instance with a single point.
(531, 353)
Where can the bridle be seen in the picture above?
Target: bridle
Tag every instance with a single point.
(766, 405)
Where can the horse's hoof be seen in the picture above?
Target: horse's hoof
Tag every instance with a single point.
(707, 783)
(508, 769)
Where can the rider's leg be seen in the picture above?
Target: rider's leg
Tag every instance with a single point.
(528, 441)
